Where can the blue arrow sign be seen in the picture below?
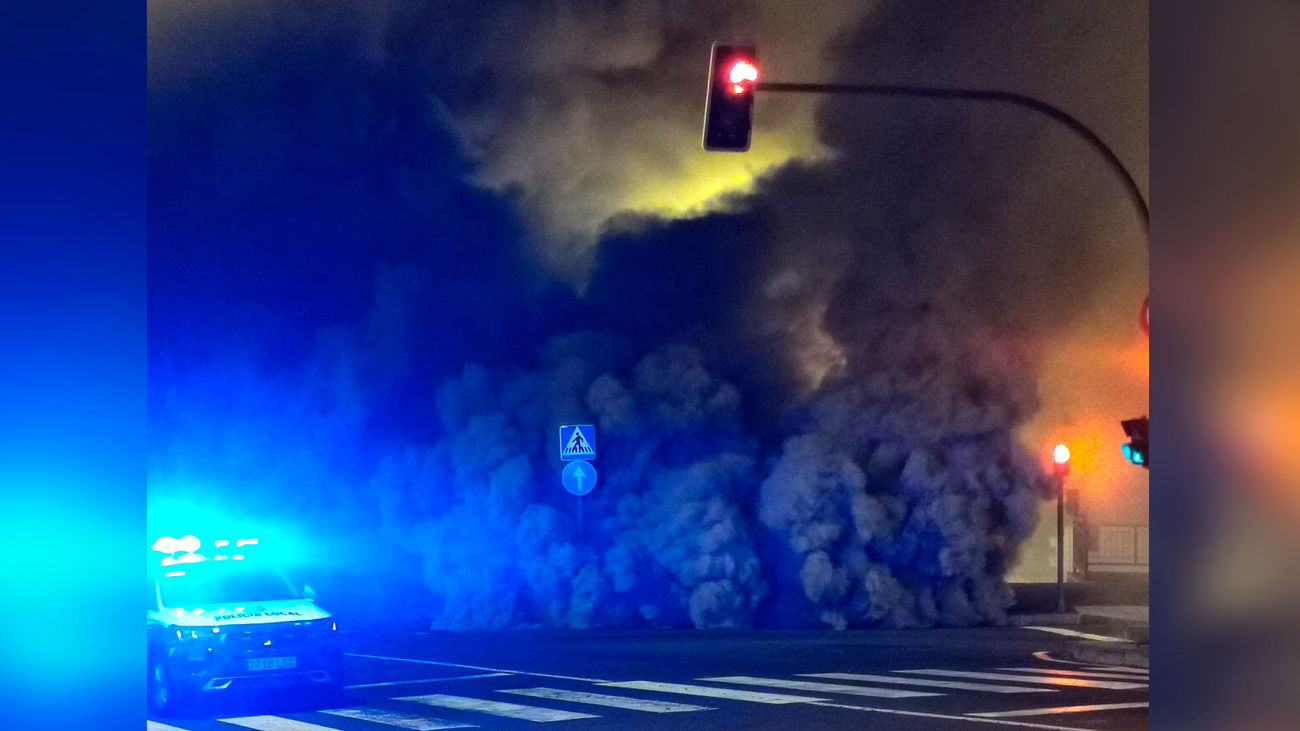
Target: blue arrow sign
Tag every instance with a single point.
(578, 477)
(577, 441)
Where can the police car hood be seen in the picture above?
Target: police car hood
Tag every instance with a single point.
(221, 615)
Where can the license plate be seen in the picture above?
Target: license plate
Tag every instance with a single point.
(272, 663)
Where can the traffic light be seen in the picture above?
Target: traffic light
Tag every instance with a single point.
(1138, 449)
(729, 104)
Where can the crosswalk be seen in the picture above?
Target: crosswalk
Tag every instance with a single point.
(611, 701)
(400, 720)
(1130, 684)
(497, 708)
(598, 698)
(928, 683)
(814, 687)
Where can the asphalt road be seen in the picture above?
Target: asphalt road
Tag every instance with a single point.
(581, 680)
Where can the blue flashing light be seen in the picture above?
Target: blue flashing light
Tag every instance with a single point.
(218, 529)
(167, 544)
(1127, 449)
(238, 557)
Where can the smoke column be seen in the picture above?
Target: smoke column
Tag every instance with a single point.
(806, 393)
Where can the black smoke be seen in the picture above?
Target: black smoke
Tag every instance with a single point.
(806, 403)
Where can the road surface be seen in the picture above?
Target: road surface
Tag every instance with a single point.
(964, 680)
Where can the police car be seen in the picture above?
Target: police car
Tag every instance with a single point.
(228, 621)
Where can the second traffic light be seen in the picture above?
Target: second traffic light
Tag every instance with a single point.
(729, 105)
(1138, 449)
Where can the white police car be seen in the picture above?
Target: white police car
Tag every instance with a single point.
(228, 621)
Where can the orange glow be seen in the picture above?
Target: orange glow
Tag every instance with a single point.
(1061, 454)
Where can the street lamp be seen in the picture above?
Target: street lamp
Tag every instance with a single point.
(1061, 457)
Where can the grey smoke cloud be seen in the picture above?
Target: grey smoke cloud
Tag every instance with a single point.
(584, 111)
(666, 541)
(807, 402)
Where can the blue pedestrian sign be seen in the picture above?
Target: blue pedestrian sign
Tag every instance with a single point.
(578, 478)
(577, 441)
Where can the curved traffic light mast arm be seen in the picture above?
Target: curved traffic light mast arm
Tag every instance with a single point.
(1005, 97)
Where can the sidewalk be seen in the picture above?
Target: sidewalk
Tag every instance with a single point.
(1133, 614)
(1128, 622)
(1126, 654)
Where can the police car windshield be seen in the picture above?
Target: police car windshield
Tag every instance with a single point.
(213, 583)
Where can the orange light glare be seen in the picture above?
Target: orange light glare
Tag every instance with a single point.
(1061, 454)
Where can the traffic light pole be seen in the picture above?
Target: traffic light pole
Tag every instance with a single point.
(1003, 97)
(1060, 542)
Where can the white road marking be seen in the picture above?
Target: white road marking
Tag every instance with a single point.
(1072, 673)
(496, 708)
(928, 683)
(1069, 682)
(1077, 633)
(1060, 709)
(274, 723)
(427, 680)
(400, 720)
(923, 714)
(473, 667)
(155, 726)
(819, 687)
(708, 692)
(599, 699)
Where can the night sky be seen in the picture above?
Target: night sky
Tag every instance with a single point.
(393, 245)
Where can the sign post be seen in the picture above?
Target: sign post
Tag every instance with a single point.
(577, 447)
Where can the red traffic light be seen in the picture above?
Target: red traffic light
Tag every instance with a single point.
(728, 107)
(741, 74)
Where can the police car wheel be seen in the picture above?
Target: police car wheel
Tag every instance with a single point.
(164, 696)
(157, 687)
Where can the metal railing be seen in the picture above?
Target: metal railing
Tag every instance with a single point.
(1126, 546)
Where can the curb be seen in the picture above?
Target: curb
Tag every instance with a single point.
(1108, 653)
(1069, 619)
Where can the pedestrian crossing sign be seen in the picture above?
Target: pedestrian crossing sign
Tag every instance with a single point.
(577, 441)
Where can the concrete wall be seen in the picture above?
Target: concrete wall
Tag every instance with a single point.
(1037, 560)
